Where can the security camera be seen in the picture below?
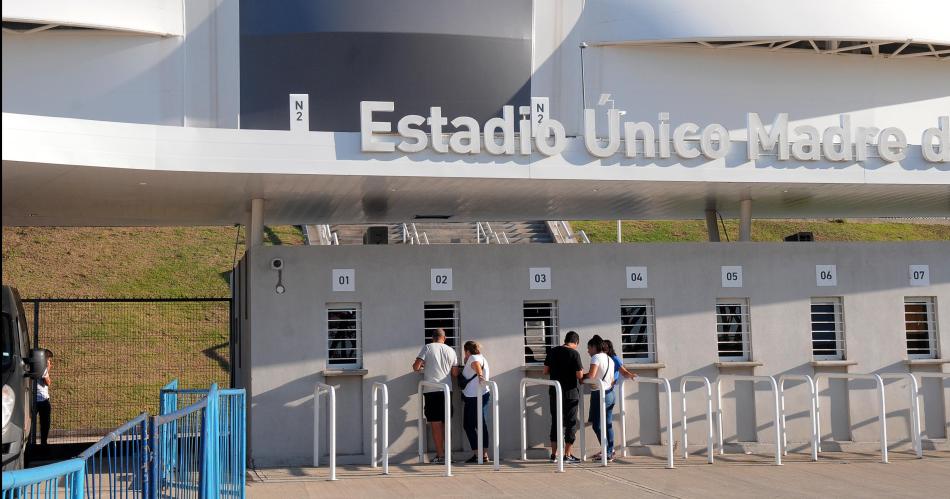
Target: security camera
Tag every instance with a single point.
(277, 264)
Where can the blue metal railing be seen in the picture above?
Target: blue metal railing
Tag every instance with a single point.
(62, 479)
(117, 465)
(180, 444)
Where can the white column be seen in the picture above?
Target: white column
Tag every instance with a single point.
(745, 220)
(712, 227)
(255, 224)
(619, 231)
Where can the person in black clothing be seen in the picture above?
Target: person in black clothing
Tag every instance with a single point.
(563, 364)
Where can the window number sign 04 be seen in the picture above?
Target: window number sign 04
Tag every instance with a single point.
(636, 277)
(440, 279)
(539, 278)
(344, 280)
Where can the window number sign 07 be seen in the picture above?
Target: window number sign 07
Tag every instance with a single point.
(919, 275)
(344, 280)
(636, 277)
(539, 278)
(440, 279)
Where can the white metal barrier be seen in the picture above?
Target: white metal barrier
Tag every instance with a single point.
(912, 391)
(377, 388)
(882, 416)
(778, 417)
(812, 394)
(559, 417)
(318, 390)
(601, 386)
(448, 424)
(709, 418)
(493, 395)
(665, 384)
(943, 376)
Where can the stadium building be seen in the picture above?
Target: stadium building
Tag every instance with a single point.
(397, 132)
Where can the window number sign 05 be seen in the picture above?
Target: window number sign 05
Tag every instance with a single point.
(539, 278)
(440, 279)
(636, 277)
(826, 275)
(731, 276)
(344, 280)
(919, 275)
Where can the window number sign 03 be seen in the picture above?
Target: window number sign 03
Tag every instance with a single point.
(919, 275)
(636, 277)
(539, 278)
(731, 276)
(440, 279)
(344, 280)
(826, 275)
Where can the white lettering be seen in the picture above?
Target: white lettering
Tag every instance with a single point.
(940, 153)
(706, 142)
(436, 122)
(760, 141)
(368, 126)
(467, 141)
(682, 148)
(809, 148)
(891, 144)
(630, 131)
(613, 133)
(405, 129)
(507, 126)
(841, 151)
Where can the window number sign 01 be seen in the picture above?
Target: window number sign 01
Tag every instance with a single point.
(344, 280)
(919, 275)
(731, 276)
(826, 275)
(636, 277)
(539, 278)
(441, 279)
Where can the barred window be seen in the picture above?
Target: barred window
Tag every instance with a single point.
(344, 336)
(733, 329)
(540, 330)
(827, 329)
(444, 315)
(920, 324)
(637, 341)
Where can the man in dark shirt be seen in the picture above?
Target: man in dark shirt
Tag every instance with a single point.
(563, 364)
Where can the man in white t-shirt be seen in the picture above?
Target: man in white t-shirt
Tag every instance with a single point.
(438, 363)
(601, 367)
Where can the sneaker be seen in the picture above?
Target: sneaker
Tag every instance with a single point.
(553, 458)
(437, 460)
(473, 459)
(611, 457)
(571, 459)
(595, 457)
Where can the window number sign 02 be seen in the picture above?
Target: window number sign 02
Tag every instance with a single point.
(440, 279)
(539, 278)
(826, 275)
(919, 275)
(344, 280)
(636, 277)
(731, 276)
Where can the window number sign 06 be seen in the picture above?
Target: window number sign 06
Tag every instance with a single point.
(539, 278)
(344, 280)
(919, 275)
(826, 275)
(636, 277)
(440, 279)
(731, 276)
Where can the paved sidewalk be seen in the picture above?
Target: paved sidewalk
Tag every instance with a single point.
(735, 476)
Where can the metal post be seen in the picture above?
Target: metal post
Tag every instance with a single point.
(559, 418)
(882, 416)
(448, 424)
(811, 409)
(709, 418)
(712, 227)
(377, 387)
(619, 231)
(745, 220)
(480, 422)
(319, 388)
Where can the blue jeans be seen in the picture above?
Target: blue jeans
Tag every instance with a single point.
(470, 421)
(610, 399)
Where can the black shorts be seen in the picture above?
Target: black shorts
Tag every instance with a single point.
(434, 406)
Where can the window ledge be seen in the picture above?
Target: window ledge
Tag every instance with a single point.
(532, 368)
(344, 372)
(644, 366)
(833, 363)
(737, 364)
(926, 362)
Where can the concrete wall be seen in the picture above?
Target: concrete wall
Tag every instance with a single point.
(288, 339)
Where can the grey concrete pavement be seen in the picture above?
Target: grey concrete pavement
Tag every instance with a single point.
(735, 476)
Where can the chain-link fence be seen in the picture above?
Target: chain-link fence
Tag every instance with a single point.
(112, 356)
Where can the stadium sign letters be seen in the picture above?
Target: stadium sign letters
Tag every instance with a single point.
(643, 139)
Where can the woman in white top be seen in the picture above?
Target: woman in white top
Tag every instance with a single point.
(476, 369)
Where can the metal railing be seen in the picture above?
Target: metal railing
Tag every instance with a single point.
(665, 385)
(583, 237)
(602, 388)
(882, 416)
(778, 416)
(374, 459)
(559, 417)
(709, 417)
(184, 446)
(318, 390)
(44, 481)
(912, 391)
(117, 465)
(493, 395)
(922, 376)
(447, 423)
(813, 393)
